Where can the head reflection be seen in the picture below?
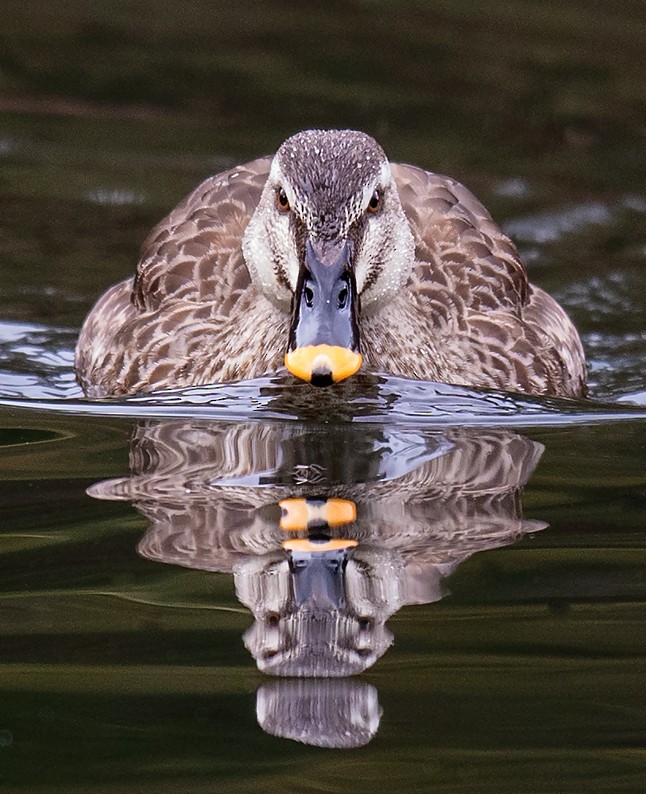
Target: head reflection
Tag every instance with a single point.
(320, 609)
(327, 712)
(327, 530)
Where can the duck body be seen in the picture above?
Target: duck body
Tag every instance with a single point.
(222, 288)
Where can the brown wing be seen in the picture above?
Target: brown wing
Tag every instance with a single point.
(458, 246)
(469, 296)
(557, 334)
(171, 325)
(195, 254)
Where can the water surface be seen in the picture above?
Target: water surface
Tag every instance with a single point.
(480, 566)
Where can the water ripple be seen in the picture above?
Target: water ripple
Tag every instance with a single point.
(36, 373)
(551, 226)
(369, 399)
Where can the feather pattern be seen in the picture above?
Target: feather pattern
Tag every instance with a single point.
(192, 314)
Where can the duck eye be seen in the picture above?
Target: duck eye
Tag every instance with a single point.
(375, 201)
(282, 200)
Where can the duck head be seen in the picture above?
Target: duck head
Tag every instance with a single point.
(328, 242)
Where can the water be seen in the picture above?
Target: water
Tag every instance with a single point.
(474, 559)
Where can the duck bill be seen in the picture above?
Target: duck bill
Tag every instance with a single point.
(324, 333)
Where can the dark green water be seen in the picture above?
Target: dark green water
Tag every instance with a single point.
(500, 541)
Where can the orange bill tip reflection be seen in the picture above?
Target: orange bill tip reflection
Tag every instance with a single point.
(323, 361)
(299, 514)
(334, 544)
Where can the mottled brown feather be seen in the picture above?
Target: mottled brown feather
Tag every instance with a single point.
(192, 314)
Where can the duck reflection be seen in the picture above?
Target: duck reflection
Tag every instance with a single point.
(328, 530)
(324, 712)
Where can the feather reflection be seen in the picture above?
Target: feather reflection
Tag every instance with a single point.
(327, 530)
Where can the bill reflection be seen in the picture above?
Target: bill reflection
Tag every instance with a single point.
(327, 531)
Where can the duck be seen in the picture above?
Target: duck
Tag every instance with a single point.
(326, 259)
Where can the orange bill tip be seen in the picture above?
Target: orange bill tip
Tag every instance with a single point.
(338, 363)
